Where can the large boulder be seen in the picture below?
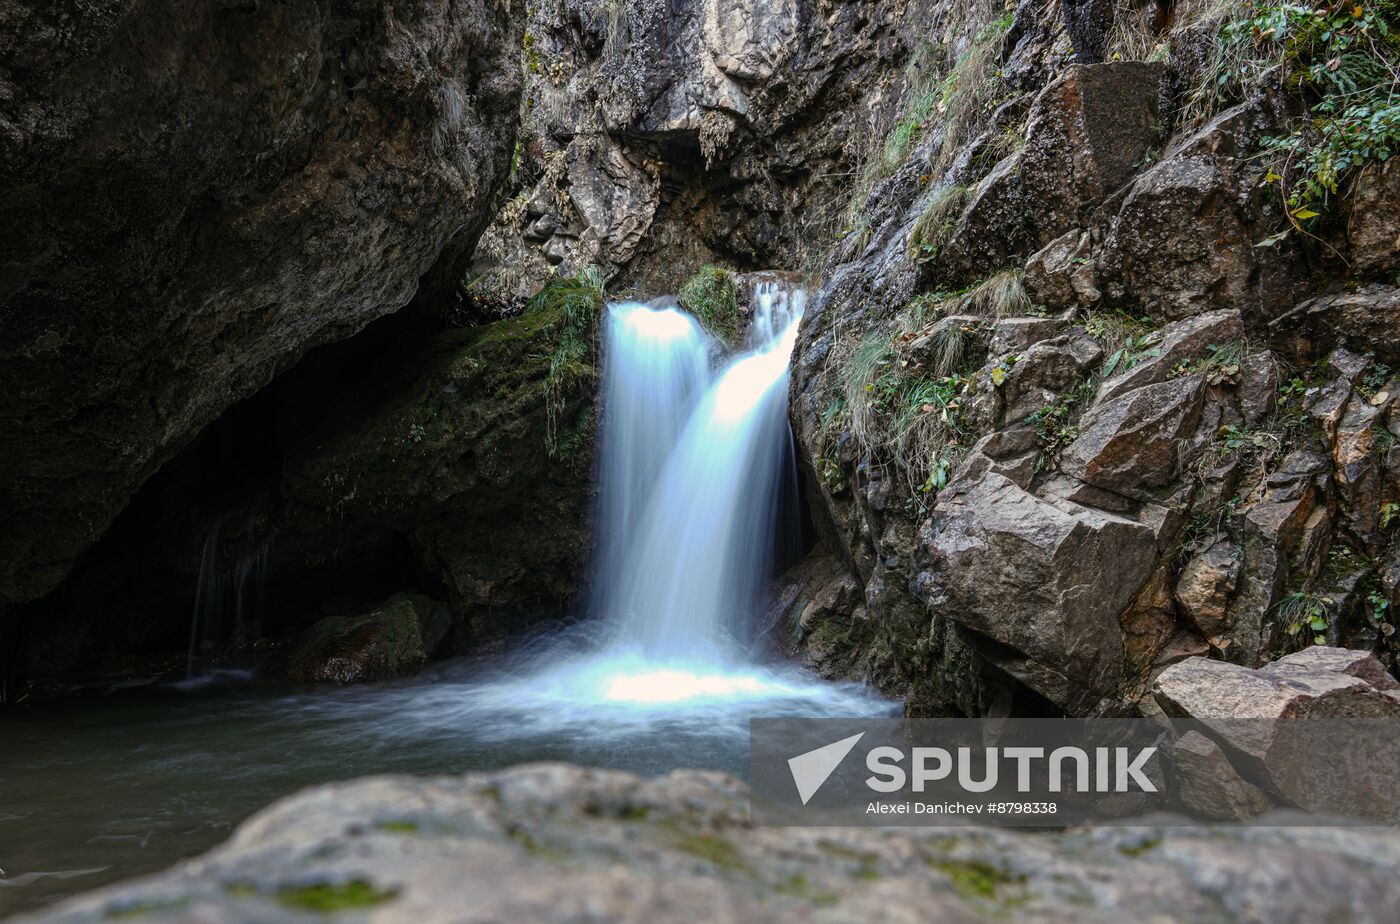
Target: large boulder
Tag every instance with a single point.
(1048, 578)
(1316, 728)
(392, 640)
(556, 843)
(1087, 134)
(1181, 242)
(193, 195)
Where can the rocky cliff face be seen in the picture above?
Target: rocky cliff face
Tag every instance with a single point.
(193, 196)
(453, 463)
(1079, 398)
(658, 137)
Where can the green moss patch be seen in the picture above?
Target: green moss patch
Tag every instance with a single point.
(327, 898)
(713, 848)
(712, 295)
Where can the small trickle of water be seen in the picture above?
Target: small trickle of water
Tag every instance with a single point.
(228, 597)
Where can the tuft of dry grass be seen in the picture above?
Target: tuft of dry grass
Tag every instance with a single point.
(935, 223)
(1001, 295)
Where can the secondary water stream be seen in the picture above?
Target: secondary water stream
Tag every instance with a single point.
(695, 465)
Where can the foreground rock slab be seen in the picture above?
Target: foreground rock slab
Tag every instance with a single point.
(553, 842)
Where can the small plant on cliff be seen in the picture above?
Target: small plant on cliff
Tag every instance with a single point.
(1302, 611)
(935, 223)
(1056, 424)
(577, 300)
(1341, 58)
(712, 295)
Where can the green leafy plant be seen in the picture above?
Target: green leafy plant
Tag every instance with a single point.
(1127, 340)
(578, 301)
(1302, 611)
(1377, 374)
(1339, 57)
(1056, 424)
(1292, 392)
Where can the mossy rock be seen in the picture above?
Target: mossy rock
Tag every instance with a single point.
(475, 463)
(393, 639)
(712, 296)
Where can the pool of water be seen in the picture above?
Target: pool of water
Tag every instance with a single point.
(97, 790)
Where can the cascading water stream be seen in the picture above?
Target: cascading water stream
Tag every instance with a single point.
(694, 560)
(697, 476)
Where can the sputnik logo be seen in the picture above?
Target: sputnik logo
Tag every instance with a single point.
(812, 769)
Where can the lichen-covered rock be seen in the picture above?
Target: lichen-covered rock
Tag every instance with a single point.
(1086, 136)
(1373, 230)
(1181, 243)
(1365, 320)
(194, 195)
(660, 137)
(392, 640)
(552, 842)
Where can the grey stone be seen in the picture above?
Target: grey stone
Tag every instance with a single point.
(556, 843)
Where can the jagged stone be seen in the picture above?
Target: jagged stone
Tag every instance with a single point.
(1373, 229)
(1209, 784)
(1047, 579)
(1132, 442)
(1361, 664)
(1046, 370)
(1087, 134)
(1179, 344)
(1011, 453)
(1180, 246)
(1258, 389)
(1010, 335)
(1206, 585)
(1061, 273)
(1365, 320)
(1260, 718)
(1287, 526)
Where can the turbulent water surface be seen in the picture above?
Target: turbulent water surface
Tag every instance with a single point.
(696, 476)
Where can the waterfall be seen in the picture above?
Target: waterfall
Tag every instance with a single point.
(659, 363)
(701, 482)
(228, 597)
(696, 497)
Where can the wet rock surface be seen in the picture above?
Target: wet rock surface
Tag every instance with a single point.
(552, 842)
